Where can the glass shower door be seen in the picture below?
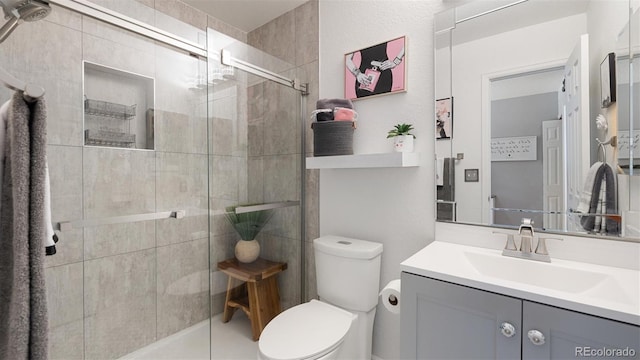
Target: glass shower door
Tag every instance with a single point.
(129, 175)
(145, 281)
(255, 162)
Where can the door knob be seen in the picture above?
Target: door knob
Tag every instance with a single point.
(536, 337)
(507, 329)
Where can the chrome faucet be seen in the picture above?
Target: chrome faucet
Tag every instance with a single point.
(526, 234)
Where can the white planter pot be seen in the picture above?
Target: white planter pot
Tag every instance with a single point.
(247, 250)
(403, 143)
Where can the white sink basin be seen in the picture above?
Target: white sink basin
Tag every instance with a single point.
(546, 275)
(605, 291)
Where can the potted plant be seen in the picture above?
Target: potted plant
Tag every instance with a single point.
(247, 225)
(403, 138)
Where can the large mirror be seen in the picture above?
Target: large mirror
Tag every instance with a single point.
(538, 115)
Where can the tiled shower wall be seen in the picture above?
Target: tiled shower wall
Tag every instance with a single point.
(274, 175)
(292, 37)
(115, 288)
(227, 176)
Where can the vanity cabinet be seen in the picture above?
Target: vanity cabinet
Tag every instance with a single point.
(442, 320)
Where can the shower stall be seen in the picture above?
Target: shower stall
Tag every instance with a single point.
(155, 128)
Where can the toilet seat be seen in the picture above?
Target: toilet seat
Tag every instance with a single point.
(305, 331)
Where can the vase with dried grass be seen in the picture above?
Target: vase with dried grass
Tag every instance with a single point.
(247, 225)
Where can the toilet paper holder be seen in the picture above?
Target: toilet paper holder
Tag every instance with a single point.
(393, 300)
(391, 295)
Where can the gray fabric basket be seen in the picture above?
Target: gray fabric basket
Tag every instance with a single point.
(333, 138)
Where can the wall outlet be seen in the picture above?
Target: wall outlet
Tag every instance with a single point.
(471, 175)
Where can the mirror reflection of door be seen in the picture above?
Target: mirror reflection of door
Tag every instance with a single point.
(576, 115)
(552, 174)
(521, 105)
(532, 104)
(470, 52)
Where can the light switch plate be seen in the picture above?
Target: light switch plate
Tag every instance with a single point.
(471, 175)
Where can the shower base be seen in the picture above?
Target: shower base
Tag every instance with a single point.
(228, 341)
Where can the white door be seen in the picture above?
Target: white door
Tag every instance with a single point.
(552, 174)
(576, 121)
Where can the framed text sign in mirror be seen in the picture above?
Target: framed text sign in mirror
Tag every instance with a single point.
(529, 81)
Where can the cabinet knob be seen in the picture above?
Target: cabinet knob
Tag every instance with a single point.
(536, 337)
(507, 329)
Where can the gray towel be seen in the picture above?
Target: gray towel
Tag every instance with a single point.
(331, 104)
(23, 310)
(446, 191)
(446, 211)
(599, 205)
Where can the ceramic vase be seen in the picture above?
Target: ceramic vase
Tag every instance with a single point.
(247, 250)
(403, 143)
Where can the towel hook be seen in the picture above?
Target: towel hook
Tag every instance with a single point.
(613, 141)
(31, 92)
(604, 152)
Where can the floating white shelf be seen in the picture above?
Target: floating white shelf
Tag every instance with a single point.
(388, 160)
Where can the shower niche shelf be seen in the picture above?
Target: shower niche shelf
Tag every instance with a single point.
(109, 119)
(113, 127)
(109, 109)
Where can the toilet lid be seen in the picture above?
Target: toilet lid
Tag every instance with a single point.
(305, 331)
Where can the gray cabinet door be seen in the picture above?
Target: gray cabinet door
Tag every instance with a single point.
(571, 335)
(440, 320)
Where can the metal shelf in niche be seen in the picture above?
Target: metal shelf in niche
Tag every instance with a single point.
(109, 138)
(109, 109)
(108, 124)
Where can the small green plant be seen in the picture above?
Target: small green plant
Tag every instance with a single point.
(248, 224)
(401, 129)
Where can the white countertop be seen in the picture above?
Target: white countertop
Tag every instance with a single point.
(617, 297)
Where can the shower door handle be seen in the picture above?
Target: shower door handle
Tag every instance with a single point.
(79, 224)
(266, 206)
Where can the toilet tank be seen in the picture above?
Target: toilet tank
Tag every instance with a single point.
(348, 272)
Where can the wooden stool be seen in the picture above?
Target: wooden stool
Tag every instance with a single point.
(257, 295)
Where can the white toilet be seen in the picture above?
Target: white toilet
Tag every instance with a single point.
(340, 325)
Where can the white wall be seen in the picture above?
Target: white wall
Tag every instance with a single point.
(603, 39)
(601, 15)
(526, 85)
(392, 206)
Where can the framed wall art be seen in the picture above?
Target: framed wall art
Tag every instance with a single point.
(376, 70)
(444, 118)
(608, 80)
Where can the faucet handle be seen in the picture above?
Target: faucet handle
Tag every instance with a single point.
(511, 244)
(541, 248)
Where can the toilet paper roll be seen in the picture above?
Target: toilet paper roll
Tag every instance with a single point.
(391, 296)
